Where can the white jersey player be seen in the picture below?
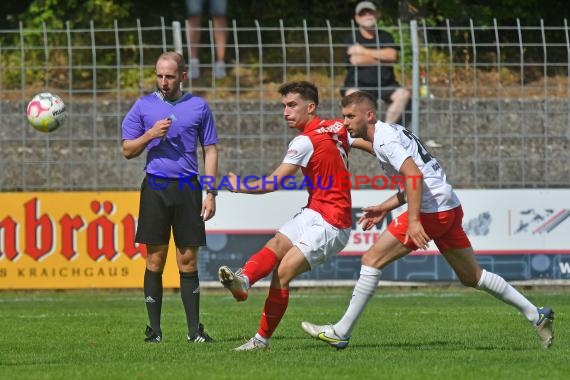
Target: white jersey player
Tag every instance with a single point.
(393, 144)
(434, 213)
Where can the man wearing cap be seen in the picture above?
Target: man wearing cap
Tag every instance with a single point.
(370, 55)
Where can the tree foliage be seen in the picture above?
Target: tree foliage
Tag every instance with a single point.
(56, 13)
(483, 12)
(78, 14)
(292, 12)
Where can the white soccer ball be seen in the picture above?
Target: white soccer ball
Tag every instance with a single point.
(46, 112)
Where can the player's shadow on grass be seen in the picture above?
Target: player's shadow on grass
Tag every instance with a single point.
(439, 345)
(426, 346)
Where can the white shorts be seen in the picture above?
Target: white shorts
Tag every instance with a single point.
(315, 237)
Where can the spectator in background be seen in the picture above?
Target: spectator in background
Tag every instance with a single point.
(371, 54)
(218, 11)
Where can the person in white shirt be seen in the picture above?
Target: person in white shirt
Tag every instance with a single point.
(434, 213)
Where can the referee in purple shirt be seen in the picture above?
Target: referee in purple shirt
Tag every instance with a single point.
(169, 124)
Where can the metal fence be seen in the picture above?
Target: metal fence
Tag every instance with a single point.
(494, 108)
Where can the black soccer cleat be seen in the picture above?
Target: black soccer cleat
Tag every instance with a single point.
(200, 337)
(151, 336)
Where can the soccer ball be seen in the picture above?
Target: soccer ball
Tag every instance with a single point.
(46, 112)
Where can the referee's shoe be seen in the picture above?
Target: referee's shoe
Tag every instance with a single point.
(200, 336)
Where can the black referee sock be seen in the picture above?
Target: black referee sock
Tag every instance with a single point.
(190, 294)
(153, 298)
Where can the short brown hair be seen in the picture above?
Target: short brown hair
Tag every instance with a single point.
(307, 90)
(358, 97)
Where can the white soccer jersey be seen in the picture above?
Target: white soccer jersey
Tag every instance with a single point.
(393, 144)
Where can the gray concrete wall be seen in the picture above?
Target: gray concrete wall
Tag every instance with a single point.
(481, 143)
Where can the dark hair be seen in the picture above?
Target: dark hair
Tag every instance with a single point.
(358, 97)
(306, 90)
(176, 57)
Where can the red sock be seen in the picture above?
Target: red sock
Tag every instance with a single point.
(274, 309)
(259, 265)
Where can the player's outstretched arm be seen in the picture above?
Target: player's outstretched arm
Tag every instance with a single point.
(360, 143)
(374, 214)
(263, 184)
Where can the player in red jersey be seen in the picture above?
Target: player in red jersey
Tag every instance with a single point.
(321, 229)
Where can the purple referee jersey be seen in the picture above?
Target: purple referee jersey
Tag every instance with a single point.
(176, 154)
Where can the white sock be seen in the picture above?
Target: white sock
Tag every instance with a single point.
(363, 291)
(496, 286)
(261, 339)
(246, 280)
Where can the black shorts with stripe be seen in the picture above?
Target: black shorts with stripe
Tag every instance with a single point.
(171, 204)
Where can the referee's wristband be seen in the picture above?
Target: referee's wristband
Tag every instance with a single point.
(214, 192)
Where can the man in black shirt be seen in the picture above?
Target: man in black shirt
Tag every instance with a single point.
(371, 54)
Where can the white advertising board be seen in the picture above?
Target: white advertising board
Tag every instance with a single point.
(497, 221)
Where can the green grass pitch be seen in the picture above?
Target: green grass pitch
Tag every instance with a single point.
(421, 333)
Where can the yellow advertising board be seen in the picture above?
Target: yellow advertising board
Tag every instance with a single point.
(73, 240)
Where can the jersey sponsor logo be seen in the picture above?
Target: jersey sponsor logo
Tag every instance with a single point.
(335, 128)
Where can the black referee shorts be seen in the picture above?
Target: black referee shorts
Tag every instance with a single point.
(170, 204)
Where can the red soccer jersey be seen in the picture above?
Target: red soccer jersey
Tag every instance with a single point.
(322, 152)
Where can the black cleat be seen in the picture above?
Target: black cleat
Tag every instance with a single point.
(200, 336)
(151, 336)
